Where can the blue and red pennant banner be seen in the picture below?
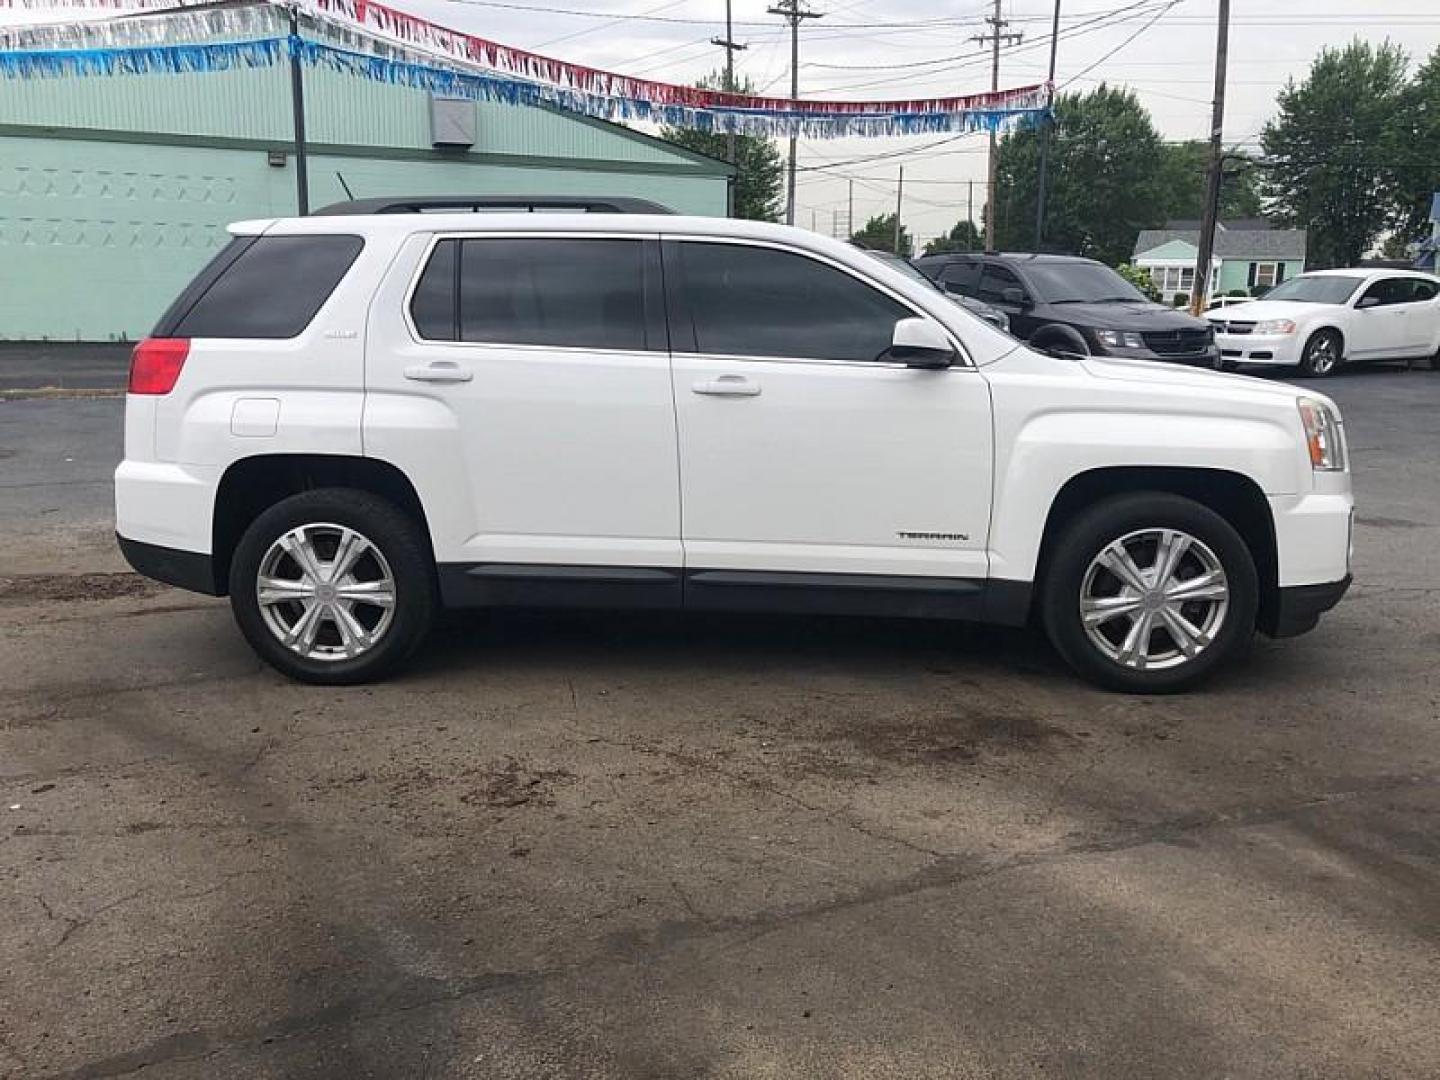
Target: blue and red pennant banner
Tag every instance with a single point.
(381, 43)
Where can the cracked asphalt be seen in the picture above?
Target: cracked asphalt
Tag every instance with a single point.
(624, 846)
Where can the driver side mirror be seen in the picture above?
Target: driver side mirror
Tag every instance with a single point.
(1015, 297)
(921, 343)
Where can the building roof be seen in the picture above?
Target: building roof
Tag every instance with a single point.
(1232, 243)
(1249, 224)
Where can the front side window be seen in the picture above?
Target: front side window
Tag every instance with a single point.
(561, 292)
(756, 301)
(994, 280)
(1388, 291)
(271, 288)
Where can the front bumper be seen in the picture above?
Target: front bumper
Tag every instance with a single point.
(1298, 608)
(1280, 350)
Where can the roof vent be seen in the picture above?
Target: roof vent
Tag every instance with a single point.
(452, 123)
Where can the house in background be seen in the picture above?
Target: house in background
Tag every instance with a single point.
(1428, 257)
(1249, 254)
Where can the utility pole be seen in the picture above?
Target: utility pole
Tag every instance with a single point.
(297, 112)
(795, 15)
(1047, 127)
(996, 35)
(1201, 289)
(730, 46)
(850, 211)
(970, 214)
(899, 197)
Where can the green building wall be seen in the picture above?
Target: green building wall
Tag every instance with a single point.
(1235, 273)
(114, 191)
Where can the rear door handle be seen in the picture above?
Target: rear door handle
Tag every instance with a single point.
(728, 386)
(439, 371)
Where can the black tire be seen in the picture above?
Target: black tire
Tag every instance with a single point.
(391, 532)
(1322, 355)
(1088, 535)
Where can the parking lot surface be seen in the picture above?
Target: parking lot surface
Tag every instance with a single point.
(629, 846)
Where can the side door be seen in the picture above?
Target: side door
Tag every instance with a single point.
(815, 472)
(1378, 327)
(523, 380)
(1422, 316)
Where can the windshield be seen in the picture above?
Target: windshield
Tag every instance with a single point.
(905, 266)
(1080, 283)
(1316, 289)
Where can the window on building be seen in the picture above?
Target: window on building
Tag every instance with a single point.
(756, 301)
(1267, 274)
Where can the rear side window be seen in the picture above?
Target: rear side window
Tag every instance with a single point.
(755, 301)
(268, 287)
(566, 293)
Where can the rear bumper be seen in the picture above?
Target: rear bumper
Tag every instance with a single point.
(1299, 607)
(191, 570)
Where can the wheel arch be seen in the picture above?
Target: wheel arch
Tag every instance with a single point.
(1234, 496)
(1322, 328)
(251, 485)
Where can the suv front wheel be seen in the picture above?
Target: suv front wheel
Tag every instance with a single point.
(333, 586)
(1149, 593)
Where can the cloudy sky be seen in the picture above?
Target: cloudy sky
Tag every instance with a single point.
(862, 49)
(879, 49)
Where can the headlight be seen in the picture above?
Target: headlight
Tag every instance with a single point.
(1322, 435)
(1275, 326)
(1120, 339)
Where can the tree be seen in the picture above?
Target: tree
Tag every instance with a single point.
(1326, 149)
(1183, 167)
(760, 170)
(1413, 152)
(879, 233)
(1107, 179)
(963, 236)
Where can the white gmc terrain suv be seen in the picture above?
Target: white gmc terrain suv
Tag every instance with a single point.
(350, 419)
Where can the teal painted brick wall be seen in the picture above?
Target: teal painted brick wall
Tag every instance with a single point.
(339, 108)
(100, 228)
(97, 237)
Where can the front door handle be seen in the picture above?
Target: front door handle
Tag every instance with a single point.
(728, 386)
(439, 371)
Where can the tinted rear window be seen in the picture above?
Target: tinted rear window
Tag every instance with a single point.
(568, 293)
(272, 287)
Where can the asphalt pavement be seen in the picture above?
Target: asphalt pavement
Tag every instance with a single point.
(64, 365)
(634, 846)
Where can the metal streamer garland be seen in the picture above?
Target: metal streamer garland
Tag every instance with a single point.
(381, 44)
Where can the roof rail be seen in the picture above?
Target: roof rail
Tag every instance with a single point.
(476, 204)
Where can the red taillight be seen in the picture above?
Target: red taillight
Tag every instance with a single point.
(155, 365)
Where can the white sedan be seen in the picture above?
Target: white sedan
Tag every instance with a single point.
(1320, 320)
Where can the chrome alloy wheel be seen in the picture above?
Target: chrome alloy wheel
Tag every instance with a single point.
(326, 592)
(1322, 354)
(1154, 599)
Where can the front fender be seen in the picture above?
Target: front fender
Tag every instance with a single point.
(1051, 449)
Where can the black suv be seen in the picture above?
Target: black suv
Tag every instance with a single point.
(1064, 304)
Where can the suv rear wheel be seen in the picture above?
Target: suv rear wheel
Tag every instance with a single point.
(1149, 593)
(333, 586)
